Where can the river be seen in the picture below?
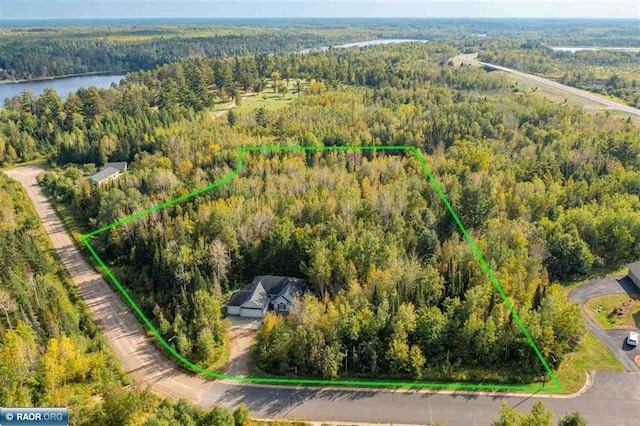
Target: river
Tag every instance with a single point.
(573, 49)
(66, 85)
(362, 44)
(63, 86)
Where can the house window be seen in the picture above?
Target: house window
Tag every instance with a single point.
(282, 307)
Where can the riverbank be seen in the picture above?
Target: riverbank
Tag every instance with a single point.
(61, 77)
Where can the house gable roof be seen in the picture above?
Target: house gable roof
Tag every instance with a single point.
(264, 288)
(104, 174)
(634, 268)
(258, 299)
(239, 297)
(119, 165)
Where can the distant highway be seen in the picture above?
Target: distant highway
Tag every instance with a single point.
(470, 59)
(613, 399)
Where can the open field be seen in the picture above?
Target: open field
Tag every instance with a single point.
(599, 307)
(526, 85)
(267, 99)
(523, 82)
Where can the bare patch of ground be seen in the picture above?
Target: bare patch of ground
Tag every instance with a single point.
(241, 335)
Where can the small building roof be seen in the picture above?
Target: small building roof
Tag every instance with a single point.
(119, 165)
(634, 268)
(104, 174)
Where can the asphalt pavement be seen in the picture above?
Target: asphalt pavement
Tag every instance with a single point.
(469, 58)
(614, 339)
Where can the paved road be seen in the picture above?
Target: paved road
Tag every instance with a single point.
(614, 339)
(469, 59)
(612, 400)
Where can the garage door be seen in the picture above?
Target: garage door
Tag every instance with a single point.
(252, 313)
(233, 310)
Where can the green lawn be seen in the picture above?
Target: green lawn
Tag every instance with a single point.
(591, 356)
(599, 308)
(266, 100)
(40, 161)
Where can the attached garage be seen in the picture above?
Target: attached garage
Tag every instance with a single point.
(252, 312)
(634, 273)
(264, 293)
(233, 310)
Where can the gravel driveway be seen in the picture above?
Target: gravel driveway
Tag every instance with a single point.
(241, 335)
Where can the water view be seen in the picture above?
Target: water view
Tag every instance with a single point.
(66, 85)
(361, 44)
(578, 49)
(63, 86)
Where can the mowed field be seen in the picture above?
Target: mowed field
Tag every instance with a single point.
(267, 99)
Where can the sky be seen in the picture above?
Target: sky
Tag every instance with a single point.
(92, 9)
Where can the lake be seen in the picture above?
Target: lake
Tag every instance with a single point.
(362, 44)
(578, 49)
(66, 85)
(63, 86)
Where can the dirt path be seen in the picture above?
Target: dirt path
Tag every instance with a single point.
(241, 335)
(226, 109)
(231, 106)
(138, 356)
(612, 400)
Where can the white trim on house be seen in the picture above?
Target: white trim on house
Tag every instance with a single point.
(265, 293)
(253, 312)
(634, 273)
(233, 310)
(283, 303)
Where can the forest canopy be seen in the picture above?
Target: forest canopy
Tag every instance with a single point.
(547, 191)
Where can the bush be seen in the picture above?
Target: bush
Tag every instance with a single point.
(241, 415)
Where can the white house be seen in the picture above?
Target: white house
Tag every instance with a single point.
(634, 273)
(265, 293)
(111, 171)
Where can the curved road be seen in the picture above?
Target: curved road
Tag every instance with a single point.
(613, 338)
(612, 400)
(470, 59)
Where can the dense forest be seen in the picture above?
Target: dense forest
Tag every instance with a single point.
(547, 191)
(24, 58)
(51, 352)
(29, 52)
(608, 72)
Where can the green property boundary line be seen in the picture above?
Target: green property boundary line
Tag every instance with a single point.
(289, 381)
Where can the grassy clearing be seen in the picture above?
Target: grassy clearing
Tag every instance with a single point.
(266, 100)
(525, 85)
(38, 162)
(269, 99)
(599, 308)
(592, 355)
